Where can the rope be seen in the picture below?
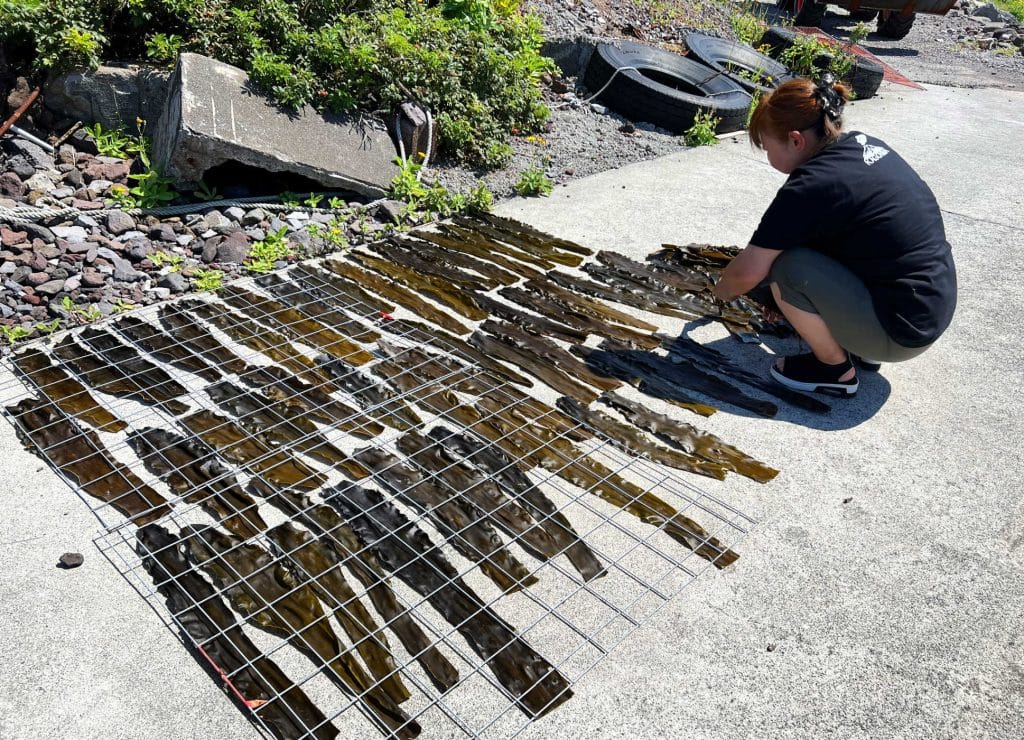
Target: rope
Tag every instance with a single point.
(587, 100)
(33, 214)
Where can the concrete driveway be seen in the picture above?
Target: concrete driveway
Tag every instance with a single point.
(880, 595)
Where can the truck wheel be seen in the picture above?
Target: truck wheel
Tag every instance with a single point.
(863, 15)
(788, 6)
(809, 13)
(893, 25)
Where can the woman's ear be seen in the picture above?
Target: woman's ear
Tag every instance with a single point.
(797, 140)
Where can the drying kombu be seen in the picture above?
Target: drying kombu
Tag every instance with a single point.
(658, 280)
(479, 250)
(525, 231)
(80, 455)
(295, 325)
(116, 375)
(629, 439)
(690, 439)
(543, 325)
(331, 530)
(407, 255)
(459, 520)
(197, 339)
(482, 242)
(191, 470)
(435, 253)
(463, 482)
(563, 458)
(405, 550)
(233, 444)
(388, 289)
(586, 306)
(315, 304)
(314, 284)
(263, 687)
(541, 248)
(165, 347)
(440, 290)
(532, 364)
(683, 350)
(68, 394)
(270, 597)
(316, 565)
(518, 486)
(597, 290)
(375, 398)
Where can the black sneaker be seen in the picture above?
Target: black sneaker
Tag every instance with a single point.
(872, 366)
(809, 374)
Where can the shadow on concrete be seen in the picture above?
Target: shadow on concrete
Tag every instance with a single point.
(846, 413)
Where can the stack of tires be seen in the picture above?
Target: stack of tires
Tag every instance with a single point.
(719, 76)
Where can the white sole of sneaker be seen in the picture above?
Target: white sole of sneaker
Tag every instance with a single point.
(842, 389)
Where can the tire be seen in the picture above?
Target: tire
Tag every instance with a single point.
(732, 57)
(668, 91)
(864, 78)
(809, 13)
(787, 6)
(863, 15)
(893, 25)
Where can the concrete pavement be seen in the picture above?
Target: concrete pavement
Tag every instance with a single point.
(896, 614)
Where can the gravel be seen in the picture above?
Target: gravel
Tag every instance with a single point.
(80, 267)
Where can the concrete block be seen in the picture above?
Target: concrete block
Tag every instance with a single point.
(111, 96)
(213, 115)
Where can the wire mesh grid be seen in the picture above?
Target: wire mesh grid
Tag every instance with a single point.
(372, 465)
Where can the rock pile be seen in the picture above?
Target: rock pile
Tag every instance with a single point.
(86, 263)
(991, 28)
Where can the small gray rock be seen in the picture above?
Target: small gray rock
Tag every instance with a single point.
(86, 222)
(70, 560)
(20, 165)
(73, 283)
(389, 210)
(235, 213)
(254, 217)
(161, 294)
(40, 182)
(119, 222)
(173, 281)
(598, 109)
(37, 231)
(213, 219)
(71, 234)
(234, 248)
(50, 288)
(21, 273)
(74, 178)
(124, 271)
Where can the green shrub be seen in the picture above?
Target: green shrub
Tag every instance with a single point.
(475, 63)
(533, 181)
(702, 132)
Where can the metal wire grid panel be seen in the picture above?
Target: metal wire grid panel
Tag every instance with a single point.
(348, 503)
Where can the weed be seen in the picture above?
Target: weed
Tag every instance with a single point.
(161, 47)
(1007, 51)
(313, 201)
(748, 25)
(84, 315)
(208, 280)
(47, 328)
(289, 199)
(806, 58)
(336, 203)
(702, 132)
(331, 235)
(15, 333)
(1014, 7)
(263, 255)
(165, 259)
(858, 33)
(205, 192)
(114, 143)
(533, 181)
(122, 306)
(479, 199)
(152, 189)
(755, 100)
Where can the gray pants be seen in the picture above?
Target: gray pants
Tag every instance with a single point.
(815, 283)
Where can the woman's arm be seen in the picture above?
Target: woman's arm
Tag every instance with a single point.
(746, 271)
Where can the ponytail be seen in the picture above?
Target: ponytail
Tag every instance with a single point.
(798, 105)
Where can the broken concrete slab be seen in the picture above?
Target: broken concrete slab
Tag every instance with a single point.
(114, 97)
(214, 115)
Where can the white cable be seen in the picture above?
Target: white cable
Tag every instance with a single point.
(587, 100)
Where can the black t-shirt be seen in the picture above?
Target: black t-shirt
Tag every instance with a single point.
(860, 203)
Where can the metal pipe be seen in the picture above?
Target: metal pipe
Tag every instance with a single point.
(20, 112)
(17, 131)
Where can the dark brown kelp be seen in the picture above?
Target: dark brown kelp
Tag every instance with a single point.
(437, 289)
(190, 470)
(567, 461)
(165, 347)
(406, 255)
(542, 325)
(200, 612)
(690, 439)
(274, 423)
(480, 250)
(252, 335)
(659, 280)
(460, 521)
(375, 398)
(112, 378)
(464, 482)
(80, 455)
(682, 349)
(311, 283)
(396, 293)
(295, 325)
(268, 595)
(532, 364)
(68, 394)
(198, 340)
(525, 231)
(587, 306)
(318, 566)
(610, 364)
(330, 529)
(437, 254)
(689, 377)
(300, 398)
(407, 552)
(233, 444)
(483, 242)
(629, 439)
(517, 484)
(598, 290)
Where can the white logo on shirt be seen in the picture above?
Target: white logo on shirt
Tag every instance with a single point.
(872, 153)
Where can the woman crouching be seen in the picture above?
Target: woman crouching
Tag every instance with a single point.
(853, 246)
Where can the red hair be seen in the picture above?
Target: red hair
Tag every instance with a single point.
(796, 105)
